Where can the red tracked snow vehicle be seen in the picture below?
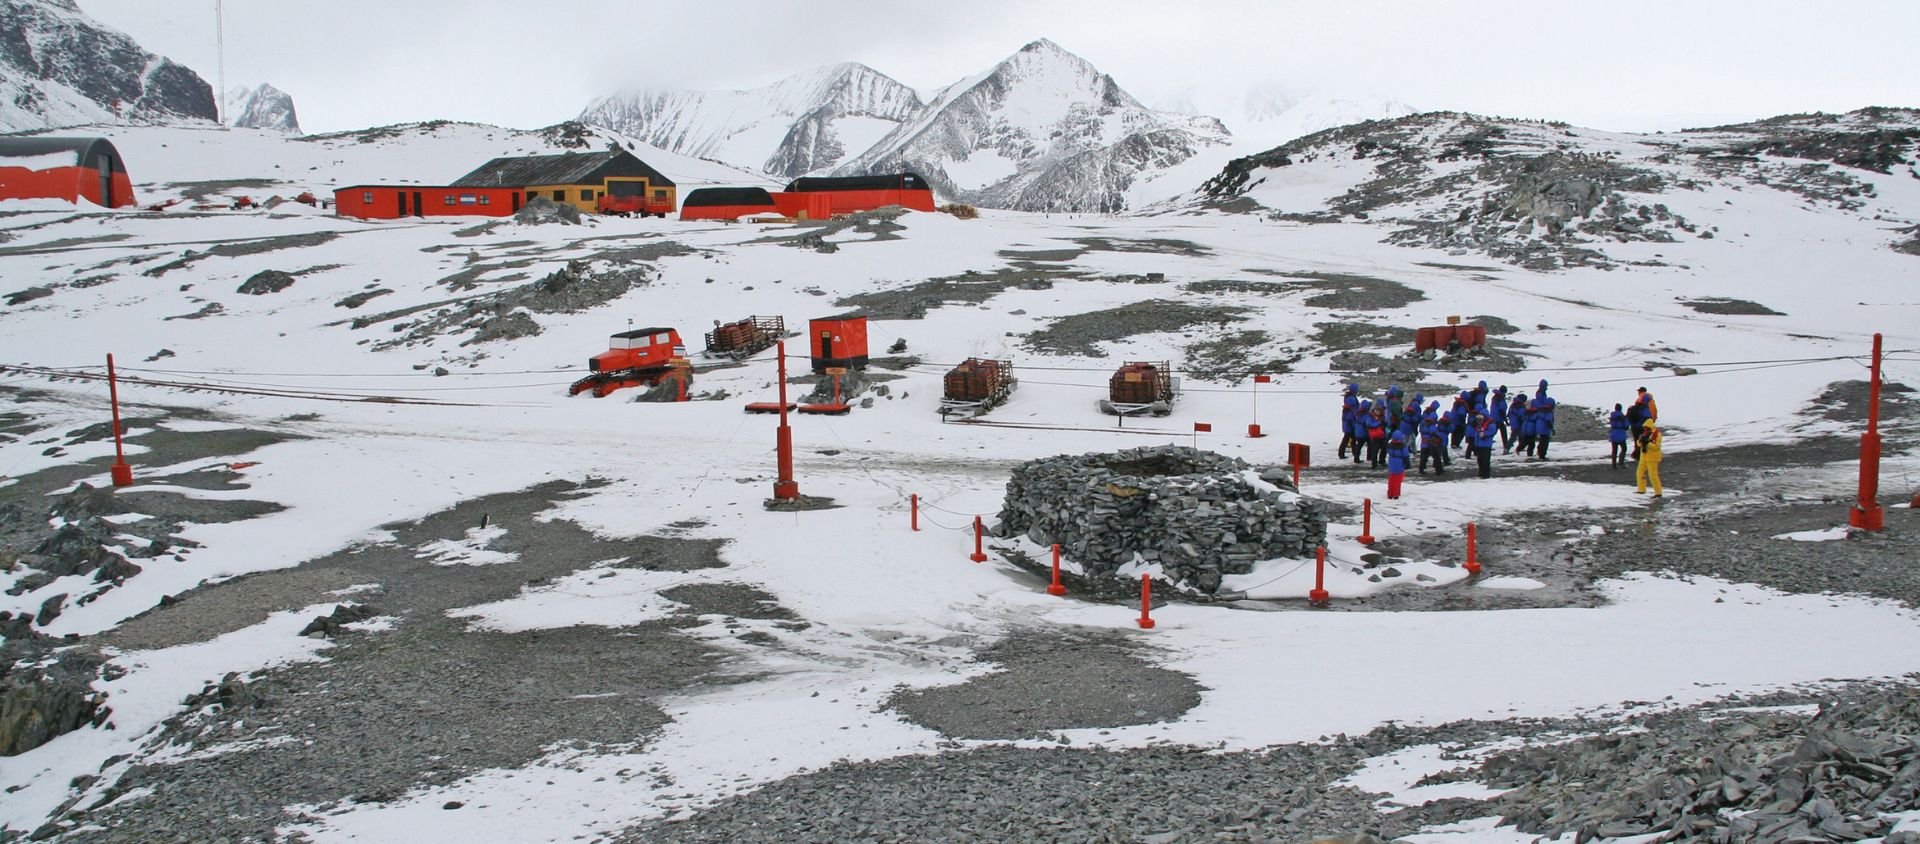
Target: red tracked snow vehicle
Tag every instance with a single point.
(643, 357)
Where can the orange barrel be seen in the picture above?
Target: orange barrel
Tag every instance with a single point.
(1423, 340)
(1443, 335)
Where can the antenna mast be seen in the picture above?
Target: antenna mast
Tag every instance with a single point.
(220, 58)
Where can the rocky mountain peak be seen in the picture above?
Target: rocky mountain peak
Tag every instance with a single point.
(262, 107)
(59, 67)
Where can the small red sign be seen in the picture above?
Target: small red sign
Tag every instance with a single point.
(1262, 379)
(1202, 427)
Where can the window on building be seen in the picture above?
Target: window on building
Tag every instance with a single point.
(586, 196)
(662, 339)
(559, 196)
(659, 194)
(486, 200)
(448, 199)
(468, 199)
(367, 197)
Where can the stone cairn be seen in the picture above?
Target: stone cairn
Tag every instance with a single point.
(1200, 515)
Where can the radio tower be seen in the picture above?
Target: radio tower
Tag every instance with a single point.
(220, 59)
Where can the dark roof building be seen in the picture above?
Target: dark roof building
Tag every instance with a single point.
(574, 168)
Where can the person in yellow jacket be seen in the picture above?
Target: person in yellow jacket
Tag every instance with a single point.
(1649, 471)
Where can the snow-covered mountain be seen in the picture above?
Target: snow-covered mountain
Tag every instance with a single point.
(1547, 195)
(1042, 130)
(262, 107)
(806, 122)
(59, 67)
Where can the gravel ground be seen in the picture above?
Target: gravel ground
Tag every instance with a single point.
(1082, 334)
(1053, 679)
(425, 703)
(1625, 772)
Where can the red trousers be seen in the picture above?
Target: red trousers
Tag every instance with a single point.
(1393, 484)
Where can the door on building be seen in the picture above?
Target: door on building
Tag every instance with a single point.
(516, 200)
(826, 345)
(403, 202)
(419, 210)
(105, 166)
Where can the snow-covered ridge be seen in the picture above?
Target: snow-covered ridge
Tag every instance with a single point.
(807, 122)
(1550, 195)
(59, 67)
(1042, 130)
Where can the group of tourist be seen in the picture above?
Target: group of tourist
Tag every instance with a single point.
(1388, 431)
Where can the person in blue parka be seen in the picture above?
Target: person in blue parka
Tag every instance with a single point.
(1349, 407)
(1396, 465)
(1461, 407)
(1497, 411)
(1477, 399)
(1617, 436)
(1376, 422)
(1433, 443)
(1482, 438)
(1410, 418)
(1357, 429)
(1516, 423)
(1543, 428)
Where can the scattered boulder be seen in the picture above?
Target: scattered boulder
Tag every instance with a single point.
(329, 626)
(266, 281)
(21, 297)
(541, 211)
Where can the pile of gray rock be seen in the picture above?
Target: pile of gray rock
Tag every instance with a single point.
(1766, 776)
(1198, 514)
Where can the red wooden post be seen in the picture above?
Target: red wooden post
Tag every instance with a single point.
(1366, 522)
(121, 473)
(1866, 513)
(978, 555)
(1056, 589)
(915, 499)
(1146, 602)
(1319, 593)
(1473, 556)
(785, 487)
(1253, 429)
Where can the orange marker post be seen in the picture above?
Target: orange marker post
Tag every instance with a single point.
(1366, 522)
(1319, 594)
(1866, 513)
(915, 501)
(1056, 589)
(1473, 557)
(785, 487)
(122, 473)
(979, 532)
(1146, 602)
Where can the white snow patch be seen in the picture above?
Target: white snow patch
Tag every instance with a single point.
(1822, 535)
(1510, 583)
(471, 551)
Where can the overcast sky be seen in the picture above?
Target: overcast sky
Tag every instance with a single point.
(1623, 64)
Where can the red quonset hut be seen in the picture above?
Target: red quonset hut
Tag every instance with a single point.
(838, 341)
(865, 193)
(726, 203)
(391, 202)
(64, 168)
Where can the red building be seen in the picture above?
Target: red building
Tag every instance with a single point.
(726, 203)
(865, 193)
(64, 168)
(838, 341)
(391, 202)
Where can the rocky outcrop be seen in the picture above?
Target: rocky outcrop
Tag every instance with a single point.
(1197, 514)
(262, 107)
(266, 281)
(44, 694)
(59, 67)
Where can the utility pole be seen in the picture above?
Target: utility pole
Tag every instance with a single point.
(220, 60)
